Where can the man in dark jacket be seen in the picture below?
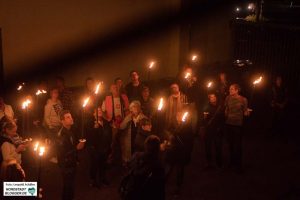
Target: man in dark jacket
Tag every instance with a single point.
(67, 147)
(179, 149)
(214, 122)
(99, 138)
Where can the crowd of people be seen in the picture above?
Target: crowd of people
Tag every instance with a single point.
(125, 126)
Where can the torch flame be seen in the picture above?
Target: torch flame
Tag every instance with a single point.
(36, 146)
(151, 65)
(209, 84)
(41, 151)
(184, 116)
(20, 87)
(97, 88)
(86, 101)
(187, 75)
(161, 104)
(194, 57)
(38, 92)
(25, 104)
(257, 81)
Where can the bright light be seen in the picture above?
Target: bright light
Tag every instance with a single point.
(20, 87)
(209, 84)
(257, 81)
(187, 75)
(25, 104)
(86, 101)
(151, 65)
(38, 92)
(194, 57)
(97, 88)
(36, 146)
(161, 104)
(237, 9)
(183, 119)
(41, 151)
(250, 6)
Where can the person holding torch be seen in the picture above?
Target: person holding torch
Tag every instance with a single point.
(68, 145)
(179, 148)
(236, 108)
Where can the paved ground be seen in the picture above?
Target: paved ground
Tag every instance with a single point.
(271, 172)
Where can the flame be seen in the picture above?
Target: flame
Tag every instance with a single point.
(40, 92)
(209, 84)
(151, 65)
(194, 57)
(161, 104)
(41, 151)
(36, 146)
(184, 116)
(187, 75)
(20, 87)
(86, 101)
(257, 81)
(97, 88)
(25, 104)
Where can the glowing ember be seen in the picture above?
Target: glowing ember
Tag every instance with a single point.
(185, 115)
(257, 81)
(161, 104)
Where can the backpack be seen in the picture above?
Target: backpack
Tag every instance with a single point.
(134, 182)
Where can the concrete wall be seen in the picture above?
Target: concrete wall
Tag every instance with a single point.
(36, 32)
(39, 35)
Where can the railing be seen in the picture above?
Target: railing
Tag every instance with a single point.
(272, 48)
